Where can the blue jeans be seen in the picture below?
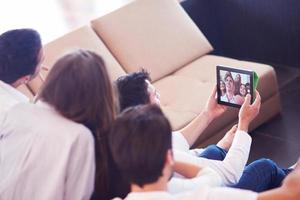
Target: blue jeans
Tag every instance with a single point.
(258, 176)
(213, 152)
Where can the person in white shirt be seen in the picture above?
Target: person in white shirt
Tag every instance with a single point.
(21, 57)
(230, 95)
(136, 89)
(140, 142)
(54, 149)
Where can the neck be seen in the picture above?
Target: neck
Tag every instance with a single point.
(18, 82)
(160, 185)
(229, 95)
(15, 85)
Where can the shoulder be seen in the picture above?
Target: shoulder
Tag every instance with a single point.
(48, 124)
(84, 136)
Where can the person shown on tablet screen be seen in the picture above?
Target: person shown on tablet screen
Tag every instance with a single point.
(237, 83)
(235, 89)
(222, 88)
(230, 89)
(242, 92)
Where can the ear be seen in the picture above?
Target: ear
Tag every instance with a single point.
(169, 158)
(25, 79)
(20, 81)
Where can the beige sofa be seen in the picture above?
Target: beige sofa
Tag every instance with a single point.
(159, 36)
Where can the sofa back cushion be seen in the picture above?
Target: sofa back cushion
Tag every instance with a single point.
(82, 38)
(153, 34)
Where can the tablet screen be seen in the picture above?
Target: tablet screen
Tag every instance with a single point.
(233, 85)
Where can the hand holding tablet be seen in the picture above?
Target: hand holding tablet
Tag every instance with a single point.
(234, 84)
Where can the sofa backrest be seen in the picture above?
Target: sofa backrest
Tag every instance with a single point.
(153, 34)
(82, 38)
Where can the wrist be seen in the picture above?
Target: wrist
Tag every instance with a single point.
(243, 125)
(207, 116)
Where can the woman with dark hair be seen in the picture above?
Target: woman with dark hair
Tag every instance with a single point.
(48, 150)
(230, 88)
(222, 88)
(243, 91)
(240, 97)
(237, 84)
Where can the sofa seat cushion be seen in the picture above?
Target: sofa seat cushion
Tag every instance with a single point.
(82, 38)
(153, 34)
(185, 92)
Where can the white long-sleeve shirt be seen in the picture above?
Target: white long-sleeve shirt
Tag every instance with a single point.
(206, 177)
(44, 156)
(203, 193)
(231, 168)
(9, 97)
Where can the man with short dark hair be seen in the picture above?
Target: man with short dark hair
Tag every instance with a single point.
(21, 55)
(136, 89)
(141, 147)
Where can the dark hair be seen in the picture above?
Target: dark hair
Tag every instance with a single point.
(19, 54)
(237, 85)
(133, 90)
(79, 88)
(139, 141)
(224, 88)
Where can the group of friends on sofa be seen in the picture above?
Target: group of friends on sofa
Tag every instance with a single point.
(86, 137)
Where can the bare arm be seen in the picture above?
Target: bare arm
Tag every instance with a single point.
(277, 194)
(231, 168)
(248, 112)
(212, 110)
(290, 189)
(194, 129)
(186, 169)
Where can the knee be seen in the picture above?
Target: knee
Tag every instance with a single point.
(268, 163)
(212, 146)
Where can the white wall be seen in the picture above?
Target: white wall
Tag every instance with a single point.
(52, 18)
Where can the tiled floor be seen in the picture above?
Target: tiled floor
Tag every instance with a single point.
(279, 139)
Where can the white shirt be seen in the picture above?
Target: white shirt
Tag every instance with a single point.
(224, 98)
(9, 97)
(206, 177)
(203, 193)
(232, 167)
(180, 143)
(229, 170)
(44, 156)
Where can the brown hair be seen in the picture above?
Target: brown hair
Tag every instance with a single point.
(132, 139)
(79, 88)
(228, 74)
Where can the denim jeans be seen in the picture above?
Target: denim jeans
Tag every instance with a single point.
(258, 176)
(213, 152)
